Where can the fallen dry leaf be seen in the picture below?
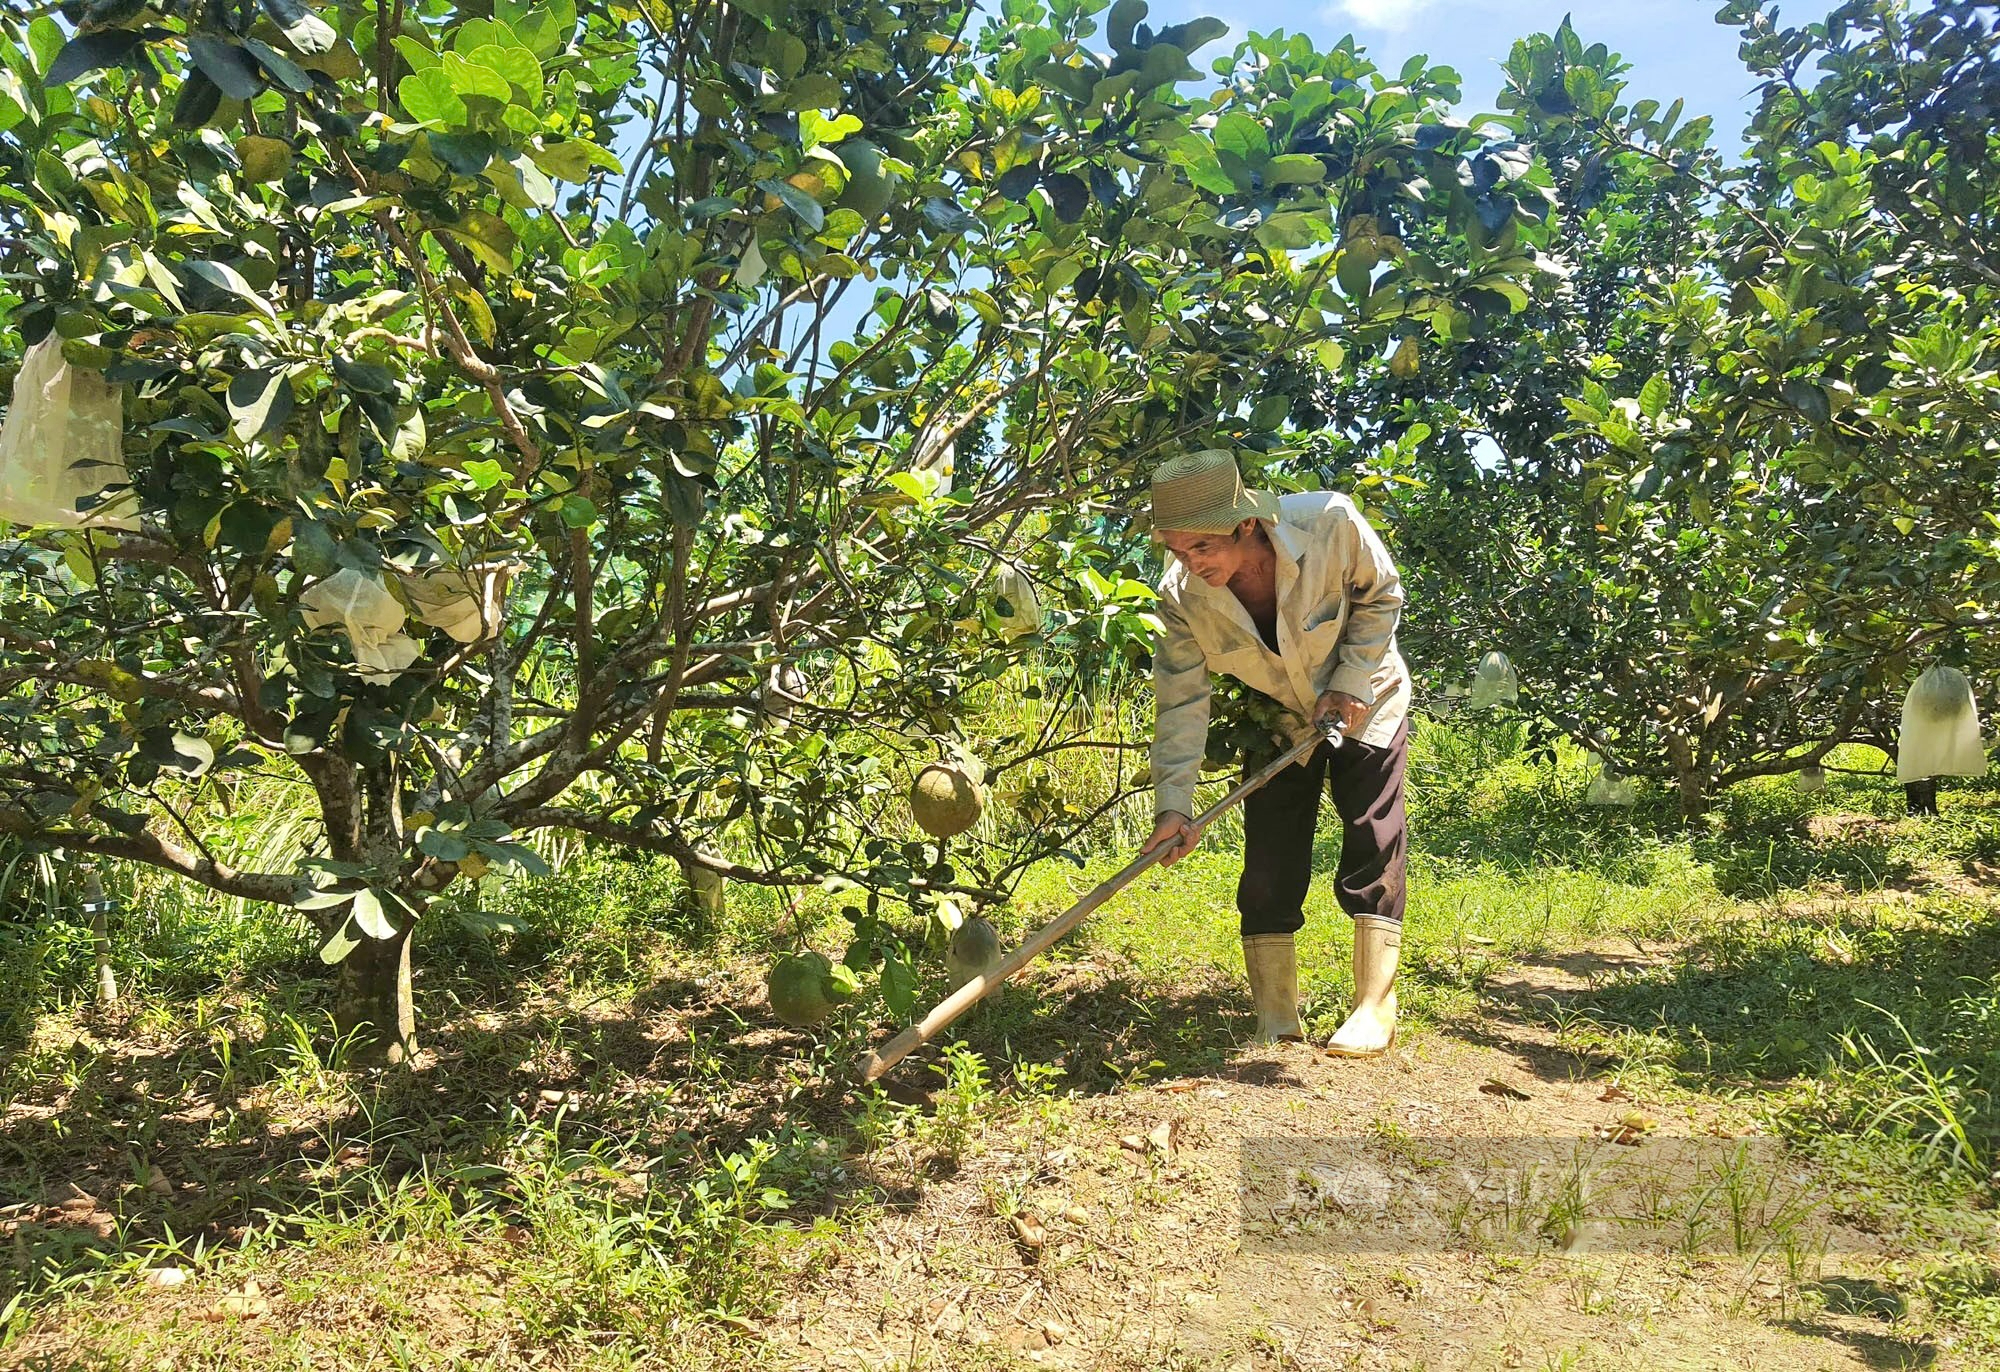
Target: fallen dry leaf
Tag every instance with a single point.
(1162, 1138)
(166, 1277)
(1132, 1142)
(1615, 1092)
(1493, 1086)
(1177, 1087)
(1028, 1230)
(1076, 1214)
(249, 1303)
(1055, 1331)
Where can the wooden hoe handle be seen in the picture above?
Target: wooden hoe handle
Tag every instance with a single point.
(963, 999)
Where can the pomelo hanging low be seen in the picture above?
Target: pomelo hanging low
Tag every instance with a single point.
(1494, 683)
(1940, 731)
(974, 951)
(804, 988)
(948, 797)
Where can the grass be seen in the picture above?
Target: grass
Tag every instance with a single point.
(610, 1154)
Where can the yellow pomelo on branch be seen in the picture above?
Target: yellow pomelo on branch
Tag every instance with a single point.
(947, 799)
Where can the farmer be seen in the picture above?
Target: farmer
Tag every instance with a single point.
(1296, 597)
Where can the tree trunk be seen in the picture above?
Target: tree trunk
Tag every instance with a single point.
(372, 999)
(1694, 795)
(100, 937)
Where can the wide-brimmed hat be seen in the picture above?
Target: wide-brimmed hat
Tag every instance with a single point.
(1203, 493)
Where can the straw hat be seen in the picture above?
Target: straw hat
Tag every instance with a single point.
(1203, 493)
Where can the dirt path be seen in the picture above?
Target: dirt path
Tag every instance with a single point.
(1444, 1207)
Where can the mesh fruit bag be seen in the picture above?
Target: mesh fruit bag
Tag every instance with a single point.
(1940, 733)
(372, 619)
(62, 447)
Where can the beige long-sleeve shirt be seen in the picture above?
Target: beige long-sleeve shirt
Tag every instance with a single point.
(1339, 599)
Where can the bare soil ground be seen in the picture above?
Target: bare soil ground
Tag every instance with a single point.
(1174, 1227)
(1234, 1221)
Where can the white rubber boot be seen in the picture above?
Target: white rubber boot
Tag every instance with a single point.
(1371, 1027)
(1273, 965)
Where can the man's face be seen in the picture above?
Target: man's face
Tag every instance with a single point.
(1215, 558)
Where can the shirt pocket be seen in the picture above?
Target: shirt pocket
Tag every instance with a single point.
(1330, 611)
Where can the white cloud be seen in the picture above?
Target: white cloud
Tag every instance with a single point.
(1387, 15)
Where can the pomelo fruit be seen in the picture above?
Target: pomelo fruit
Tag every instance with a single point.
(801, 990)
(946, 799)
(870, 190)
(974, 951)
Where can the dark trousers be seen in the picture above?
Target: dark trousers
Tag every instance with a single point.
(1278, 823)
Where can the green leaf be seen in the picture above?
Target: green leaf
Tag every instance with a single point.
(279, 67)
(314, 553)
(543, 26)
(1808, 399)
(445, 847)
(428, 98)
(899, 979)
(1238, 133)
(573, 158)
(797, 201)
(489, 238)
(522, 184)
(465, 153)
(302, 28)
(515, 63)
(364, 377)
(1119, 24)
(477, 312)
(369, 916)
(90, 52)
(1654, 395)
(1295, 169)
(1291, 230)
(193, 754)
(259, 402)
(338, 944)
(232, 69)
(1069, 195)
(474, 79)
(198, 101)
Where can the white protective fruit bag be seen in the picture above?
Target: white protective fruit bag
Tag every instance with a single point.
(1017, 609)
(1607, 787)
(362, 608)
(1940, 733)
(465, 602)
(63, 444)
(1495, 683)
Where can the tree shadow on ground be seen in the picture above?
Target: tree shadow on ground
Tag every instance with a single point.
(1780, 1000)
(687, 1072)
(1749, 866)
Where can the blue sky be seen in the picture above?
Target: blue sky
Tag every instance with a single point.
(1676, 48)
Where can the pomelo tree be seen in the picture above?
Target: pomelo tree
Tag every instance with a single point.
(1725, 487)
(615, 418)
